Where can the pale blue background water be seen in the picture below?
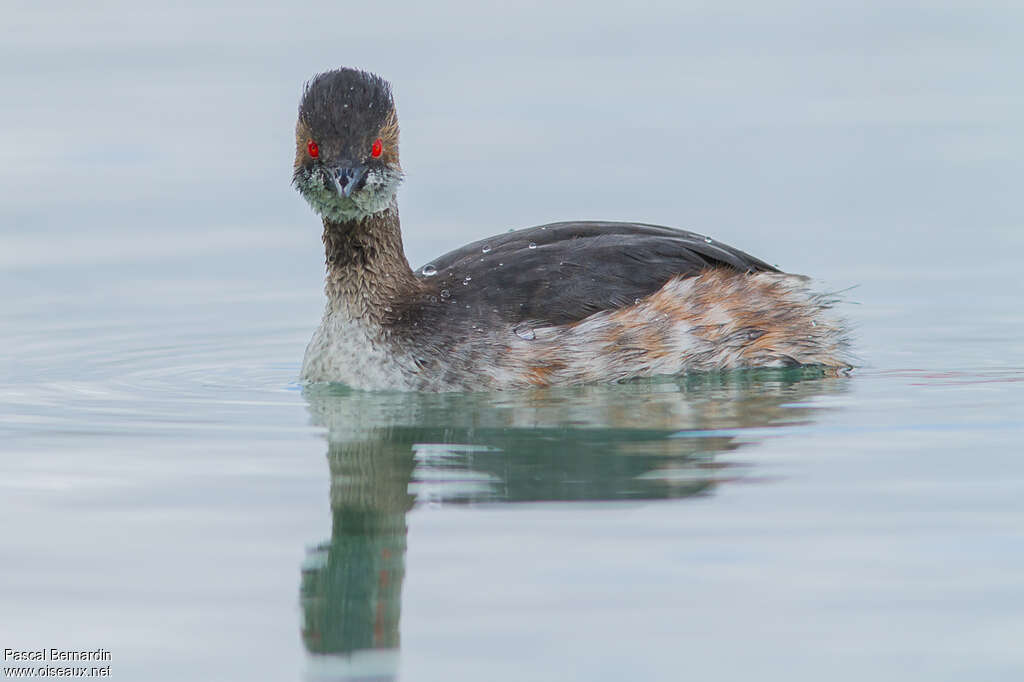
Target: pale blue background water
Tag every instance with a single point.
(168, 492)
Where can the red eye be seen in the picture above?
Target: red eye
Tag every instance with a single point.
(313, 149)
(377, 149)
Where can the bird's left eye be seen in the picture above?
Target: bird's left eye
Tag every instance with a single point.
(377, 149)
(313, 149)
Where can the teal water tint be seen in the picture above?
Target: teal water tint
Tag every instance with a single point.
(261, 529)
(170, 493)
(389, 453)
(805, 537)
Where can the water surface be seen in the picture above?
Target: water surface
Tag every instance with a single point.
(170, 493)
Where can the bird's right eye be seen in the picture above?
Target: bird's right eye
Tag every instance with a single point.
(313, 149)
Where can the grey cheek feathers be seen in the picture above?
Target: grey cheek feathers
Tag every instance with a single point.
(377, 195)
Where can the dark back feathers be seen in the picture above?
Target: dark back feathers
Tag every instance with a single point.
(573, 270)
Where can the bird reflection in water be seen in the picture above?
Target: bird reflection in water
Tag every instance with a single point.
(389, 452)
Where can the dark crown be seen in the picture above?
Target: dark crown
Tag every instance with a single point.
(345, 103)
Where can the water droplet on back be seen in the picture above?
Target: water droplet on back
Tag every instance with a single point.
(533, 245)
(445, 293)
(429, 271)
(707, 240)
(487, 248)
(525, 333)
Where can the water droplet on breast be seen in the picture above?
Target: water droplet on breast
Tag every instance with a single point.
(707, 240)
(429, 271)
(636, 301)
(525, 333)
(466, 281)
(533, 245)
(487, 248)
(388, 309)
(445, 293)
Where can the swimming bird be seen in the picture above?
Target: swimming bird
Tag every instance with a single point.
(564, 303)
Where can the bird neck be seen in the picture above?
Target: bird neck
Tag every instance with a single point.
(368, 276)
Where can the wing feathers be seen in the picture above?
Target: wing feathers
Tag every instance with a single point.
(563, 272)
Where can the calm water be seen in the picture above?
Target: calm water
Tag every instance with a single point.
(170, 493)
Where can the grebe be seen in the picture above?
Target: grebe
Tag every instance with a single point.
(564, 303)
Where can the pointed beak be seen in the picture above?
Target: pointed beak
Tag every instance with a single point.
(347, 179)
